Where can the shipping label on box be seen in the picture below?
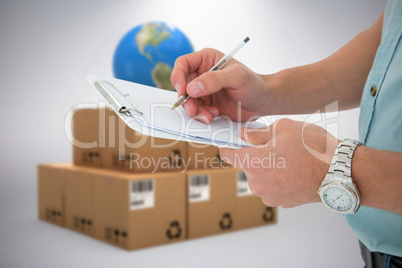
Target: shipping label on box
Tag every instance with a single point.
(211, 207)
(242, 185)
(142, 194)
(199, 188)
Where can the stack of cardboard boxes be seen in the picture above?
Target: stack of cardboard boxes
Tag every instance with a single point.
(135, 191)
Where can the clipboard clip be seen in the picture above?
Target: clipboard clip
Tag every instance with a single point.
(113, 101)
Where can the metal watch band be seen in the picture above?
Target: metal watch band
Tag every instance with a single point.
(339, 175)
(341, 164)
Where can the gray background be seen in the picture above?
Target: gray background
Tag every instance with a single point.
(47, 48)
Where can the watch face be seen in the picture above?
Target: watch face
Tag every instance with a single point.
(337, 199)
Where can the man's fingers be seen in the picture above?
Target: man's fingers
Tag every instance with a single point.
(212, 110)
(191, 107)
(204, 114)
(188, 67)
(231, 76)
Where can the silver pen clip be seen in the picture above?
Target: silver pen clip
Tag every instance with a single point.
(112, 100)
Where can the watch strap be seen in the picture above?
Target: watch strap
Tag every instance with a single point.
(340, 173)
(341, 163)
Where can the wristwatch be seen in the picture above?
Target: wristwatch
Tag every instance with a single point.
(338, 191)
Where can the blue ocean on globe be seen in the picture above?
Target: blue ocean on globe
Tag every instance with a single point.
(146, 54)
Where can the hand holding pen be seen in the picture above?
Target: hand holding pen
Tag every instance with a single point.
(234, 91)
(219, 65)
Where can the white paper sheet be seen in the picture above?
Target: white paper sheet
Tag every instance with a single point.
(160, 121)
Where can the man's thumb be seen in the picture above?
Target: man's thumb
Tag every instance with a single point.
(210, 82)
(259, 136)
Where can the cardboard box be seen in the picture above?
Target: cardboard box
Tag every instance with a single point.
(113, 145)
(79, 205)
(89, 136)
(203, 156)
(51, 193)
(250, 210)
(211, 205)
(134, 211)
(135, 152)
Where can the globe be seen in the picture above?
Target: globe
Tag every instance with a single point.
(146, 54)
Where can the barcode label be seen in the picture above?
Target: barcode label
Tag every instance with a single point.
(142, 186)
(242, 184)
(142, 194)
(199, 188)
(199, 180)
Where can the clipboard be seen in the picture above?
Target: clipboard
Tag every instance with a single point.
(147, 110)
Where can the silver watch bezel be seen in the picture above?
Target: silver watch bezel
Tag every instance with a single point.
(351, 191)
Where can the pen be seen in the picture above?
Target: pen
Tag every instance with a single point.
(217, 66)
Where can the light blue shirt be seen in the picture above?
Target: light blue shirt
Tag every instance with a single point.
(380, 127)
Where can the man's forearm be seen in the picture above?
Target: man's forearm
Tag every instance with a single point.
(378, 175)
(340, 77)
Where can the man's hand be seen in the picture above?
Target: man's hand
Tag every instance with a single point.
(288, 162)
(219, 92)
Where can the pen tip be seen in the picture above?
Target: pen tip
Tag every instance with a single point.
(247, 39)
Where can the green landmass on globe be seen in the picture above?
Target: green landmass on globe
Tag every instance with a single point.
(152, 34)
(161, 76)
